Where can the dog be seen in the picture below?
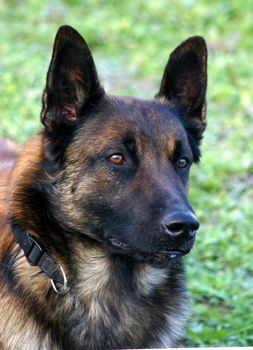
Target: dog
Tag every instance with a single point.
(94, 216)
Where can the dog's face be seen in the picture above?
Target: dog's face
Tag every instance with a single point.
(120, 165)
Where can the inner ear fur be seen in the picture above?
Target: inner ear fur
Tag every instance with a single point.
(184, 81)
(71, 79)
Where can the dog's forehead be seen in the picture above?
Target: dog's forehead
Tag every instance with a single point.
(147, 115)
(120, 116)
(146, 125)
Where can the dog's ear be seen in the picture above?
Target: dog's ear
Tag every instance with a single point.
(71, 79)
(184, 82)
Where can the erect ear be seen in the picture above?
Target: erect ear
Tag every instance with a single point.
(71, 79)
(185, 79)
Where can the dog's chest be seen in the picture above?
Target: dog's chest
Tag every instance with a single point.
(125, 307)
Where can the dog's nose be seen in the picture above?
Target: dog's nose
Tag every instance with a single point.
(181, 224)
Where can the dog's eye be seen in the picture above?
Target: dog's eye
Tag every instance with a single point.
(117, 159)
(182, 163)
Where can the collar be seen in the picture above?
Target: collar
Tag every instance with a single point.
(38, 256)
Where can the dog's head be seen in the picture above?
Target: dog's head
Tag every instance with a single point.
(119, 166)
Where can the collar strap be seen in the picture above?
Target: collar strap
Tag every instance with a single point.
(38, 256)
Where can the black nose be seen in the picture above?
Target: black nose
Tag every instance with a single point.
(182, 224)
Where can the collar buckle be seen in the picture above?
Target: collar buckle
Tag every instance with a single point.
(35, 252)
(37, 256)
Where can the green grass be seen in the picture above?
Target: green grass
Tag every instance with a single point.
(131, 41)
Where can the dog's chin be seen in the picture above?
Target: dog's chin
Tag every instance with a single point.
(159, 258)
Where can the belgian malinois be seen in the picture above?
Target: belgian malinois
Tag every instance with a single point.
(94, 217)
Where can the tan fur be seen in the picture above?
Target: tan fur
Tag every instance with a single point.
(20, 332)
(171, 146)
(94, 266)
(148, 278)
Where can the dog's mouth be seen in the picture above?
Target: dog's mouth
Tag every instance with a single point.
(118, 244)
(159, 257)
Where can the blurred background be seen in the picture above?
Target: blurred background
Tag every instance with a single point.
(131, 42)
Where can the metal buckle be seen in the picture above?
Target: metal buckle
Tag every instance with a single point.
(64, 288)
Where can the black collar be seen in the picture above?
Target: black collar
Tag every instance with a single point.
(38, 256)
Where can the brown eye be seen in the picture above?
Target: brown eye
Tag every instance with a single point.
(182, 163)
(117, 159)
